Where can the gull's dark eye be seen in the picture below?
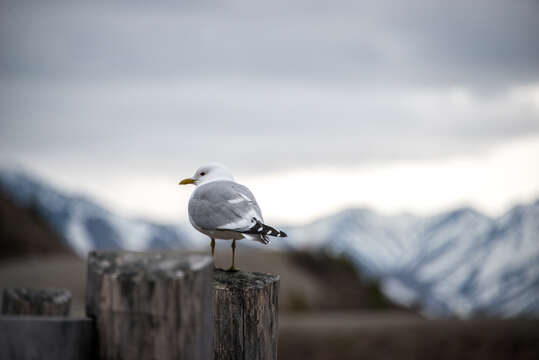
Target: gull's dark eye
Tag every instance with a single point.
(202, 173)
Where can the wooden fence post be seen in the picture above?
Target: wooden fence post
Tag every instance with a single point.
(43, 302)
(151, 305)
(46, 338)
(35, 325)
(246, 313)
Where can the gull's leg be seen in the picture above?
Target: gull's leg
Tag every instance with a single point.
(233, 268)
(212, 246)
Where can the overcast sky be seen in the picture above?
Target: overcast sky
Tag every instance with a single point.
(120, 99)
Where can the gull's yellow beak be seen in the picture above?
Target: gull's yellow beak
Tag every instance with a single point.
(187, 181)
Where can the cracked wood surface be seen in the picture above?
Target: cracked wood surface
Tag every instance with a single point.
(151, 305)
(245, 310)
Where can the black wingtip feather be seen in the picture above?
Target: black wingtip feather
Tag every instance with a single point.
(264, 230)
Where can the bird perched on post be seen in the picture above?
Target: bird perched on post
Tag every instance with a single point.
(223, 209)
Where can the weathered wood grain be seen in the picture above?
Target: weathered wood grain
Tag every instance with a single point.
(151, 305)
(246, 312)
(45, 302)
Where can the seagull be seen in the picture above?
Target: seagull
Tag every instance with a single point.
(223, 209)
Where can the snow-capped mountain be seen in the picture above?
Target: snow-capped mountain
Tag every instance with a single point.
(85, 225)
(457, 263)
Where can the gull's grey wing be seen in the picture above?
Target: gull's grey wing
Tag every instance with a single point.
(223, 205)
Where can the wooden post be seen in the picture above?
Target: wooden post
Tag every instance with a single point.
(245, 310)
(43, 302)
(151, 305)
(46, 338)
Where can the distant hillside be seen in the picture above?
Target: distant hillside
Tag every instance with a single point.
(344, 286)
(456, 263)
(84, 224)
(24, 232)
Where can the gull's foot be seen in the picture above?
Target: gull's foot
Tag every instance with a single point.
(232, 269)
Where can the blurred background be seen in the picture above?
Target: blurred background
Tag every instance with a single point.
(396, 143)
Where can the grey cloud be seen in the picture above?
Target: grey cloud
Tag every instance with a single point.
(475, 44)
(128, 85)
(254, 125)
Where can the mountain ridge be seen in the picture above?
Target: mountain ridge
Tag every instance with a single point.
(456, 263)
(84, 224)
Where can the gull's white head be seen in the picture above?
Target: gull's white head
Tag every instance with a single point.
(208, 173)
